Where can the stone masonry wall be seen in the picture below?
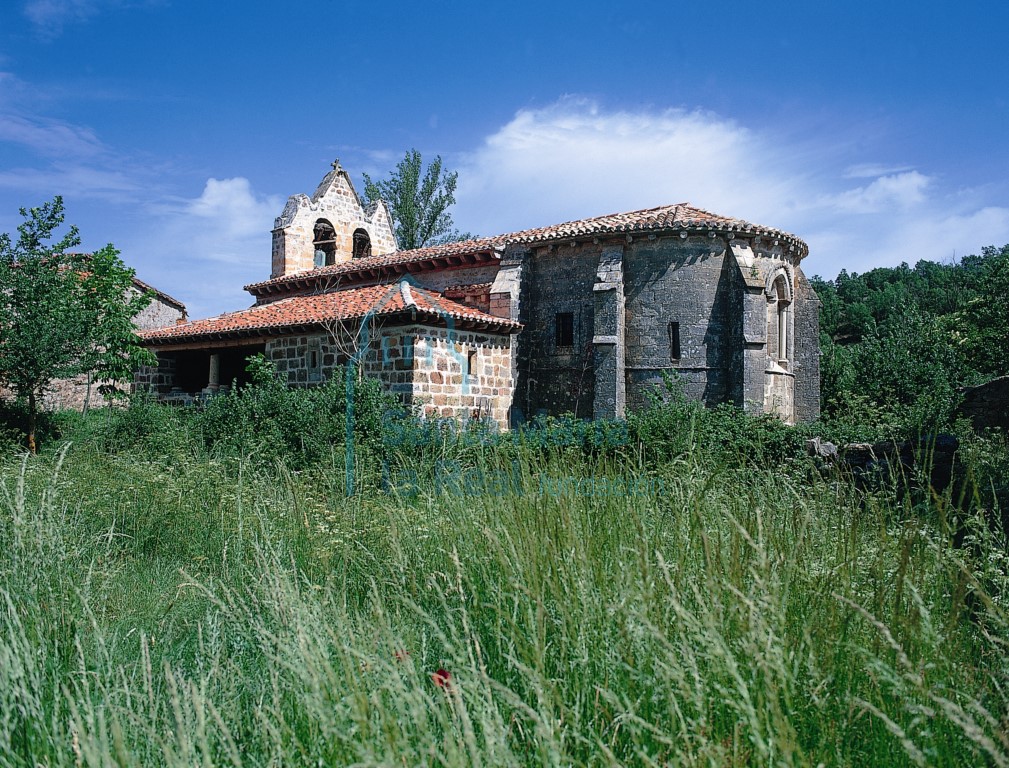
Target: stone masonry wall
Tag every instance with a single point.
(779, 397)
(987, 405)
(685, 281)
(424, 366)
(432, 280)
(806, 363)
(440, 279)
(292, 355)
(718, 301)
(609, 336)
(441, 385)
(159, 378)
(157, 314)
(557, 379)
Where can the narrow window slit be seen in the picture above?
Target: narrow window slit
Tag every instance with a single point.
(674, 342)
(565, 329)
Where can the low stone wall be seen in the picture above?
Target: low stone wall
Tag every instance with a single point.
(462, 375)
(445, 372)
(987, 405)
(158, 378)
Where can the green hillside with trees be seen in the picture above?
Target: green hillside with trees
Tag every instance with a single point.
(897, 342)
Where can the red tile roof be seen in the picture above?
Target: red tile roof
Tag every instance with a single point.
(680, 217)
(469, 251)
(303, 312)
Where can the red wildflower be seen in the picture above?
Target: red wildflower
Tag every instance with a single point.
(401, 656)
(442, 678)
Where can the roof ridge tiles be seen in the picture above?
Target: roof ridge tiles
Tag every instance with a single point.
(404, 289)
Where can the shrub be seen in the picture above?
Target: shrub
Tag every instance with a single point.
(272, 420)
(14, 426)
(144, 426)
(600, 437)
(666, 428)
(674, 425)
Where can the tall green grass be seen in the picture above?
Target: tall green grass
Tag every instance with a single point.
(198, 610)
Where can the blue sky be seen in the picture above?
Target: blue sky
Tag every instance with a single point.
(176, 130)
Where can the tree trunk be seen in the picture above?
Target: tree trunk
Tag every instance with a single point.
(32, 418)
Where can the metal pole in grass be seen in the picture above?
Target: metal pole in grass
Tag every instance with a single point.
(349, 429)
(361, 342)
(350, 387)
(398, 299)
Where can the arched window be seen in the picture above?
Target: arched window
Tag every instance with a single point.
(325, 244)
(362, 244)
(778, 317)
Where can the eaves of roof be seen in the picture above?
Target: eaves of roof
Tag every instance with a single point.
(681, 217)
(141, 285)
(398, 302)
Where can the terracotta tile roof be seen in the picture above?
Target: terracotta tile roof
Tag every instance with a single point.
(679, 217)
(675, 217)
(301, 312)
(485, 246)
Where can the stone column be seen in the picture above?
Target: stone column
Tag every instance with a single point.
(754, 331)
(608, 336)
(506, 290)
(215, 371)
(505, 301)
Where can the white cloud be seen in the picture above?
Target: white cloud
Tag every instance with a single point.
(50, 16)
(575, 159)
(229, 211)
(887, 240)
(73, 180)
(53, 138)
(872, 170)
(202, 250)
(569, 160)
(901, 190)
(60, 157)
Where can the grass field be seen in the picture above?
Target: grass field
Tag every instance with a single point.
(523, 607)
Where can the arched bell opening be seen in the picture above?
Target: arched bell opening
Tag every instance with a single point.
(325, 244)
(362, 244)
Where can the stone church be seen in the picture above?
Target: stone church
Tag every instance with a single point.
(582, 317)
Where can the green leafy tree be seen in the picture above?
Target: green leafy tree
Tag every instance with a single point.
(985, 319)
(419, 201)
(63, 314)
(899, 341)
(911, 369)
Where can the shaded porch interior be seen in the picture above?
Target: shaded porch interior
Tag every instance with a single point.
(206, 371)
